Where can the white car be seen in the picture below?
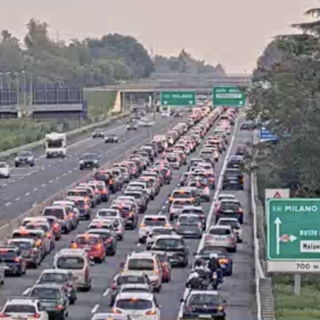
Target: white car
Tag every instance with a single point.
(4, 170)
(221, 236)
(224, 196)
(148, 307)
(234, 224)
(23, 309)
(149, 222)
(155, 233)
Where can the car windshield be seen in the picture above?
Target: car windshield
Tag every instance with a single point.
(232, 223)
(20, 308)
(27, 235)
(156, 221)
(188, 220)
(8, 254)
(134, 304)
(164, 243)
(204, 299)
(108, 213)
(232, 173)
(140, 264)
(180, 204)
(46, 293)
(130, 279)
(38, 227)
(103, 235)
(230, 206)
(172, 159)
(212, 250)
(25, 154)
(55, 212)
(135, 290)
(89, 157)
(161, 231)
(135, 195)
(54, 278)
(220, 232)
(70, 263)
(22, 245)
(87, 241)
(194, 211)
(181, 195)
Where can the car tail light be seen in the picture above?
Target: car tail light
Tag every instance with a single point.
(98, 246)
(3, 315)
(155, 272)
(113, 287)
(240, 210)
(38, 243)
(201, 216)
(223, 261)
(56, 227)
(199, 224)
(49, 235)
(142, 225)
(151, 312)
(74, 246)
(35, 316)
(17, 260)
(117, 311)
(171, 199)
(59, 307)
(218, 211)
(110, 181)
(177, 224)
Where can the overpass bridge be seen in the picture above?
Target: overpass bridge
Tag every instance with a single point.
(148, 90)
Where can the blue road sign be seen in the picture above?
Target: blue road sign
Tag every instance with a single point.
(266, 135)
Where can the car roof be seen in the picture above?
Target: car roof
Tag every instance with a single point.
(110, 316)
(138, 295)
(169, 236)
(192, 208)
(230, 200)
(46, 285)
(154, 216)
(204, 292)
(132, 285)
(56, 271)
(228, 219)
(130, 273)
(220, 227)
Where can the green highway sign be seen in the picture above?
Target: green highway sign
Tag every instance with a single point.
(179, 98)
(293, 235)
(227, 96)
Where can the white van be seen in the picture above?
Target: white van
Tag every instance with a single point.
(77, 261)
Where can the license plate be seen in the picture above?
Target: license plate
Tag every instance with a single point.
(205, 316)
(19, 318)
(134, 317)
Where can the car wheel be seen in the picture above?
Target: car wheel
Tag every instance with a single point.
(16, 165)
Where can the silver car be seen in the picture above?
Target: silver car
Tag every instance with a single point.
(189, 225)
(221, 236)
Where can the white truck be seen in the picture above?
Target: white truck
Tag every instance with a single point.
(56, 145)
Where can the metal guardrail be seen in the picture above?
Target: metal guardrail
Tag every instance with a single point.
(6, 230)
(264, 295)
(72, 133)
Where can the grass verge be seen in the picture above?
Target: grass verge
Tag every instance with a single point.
(289, 306)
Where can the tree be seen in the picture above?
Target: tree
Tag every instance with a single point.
(286, 98)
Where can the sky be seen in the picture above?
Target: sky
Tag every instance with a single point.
(231, 32)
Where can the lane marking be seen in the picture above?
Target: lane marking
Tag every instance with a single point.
(35, 189)
(50, 181)
(95, 308)
(17, 199)
(64, 174)
(8, 204)
(160, 213)
(43, 185)
(106, 292)
(163, 207)
(57, 178)
(27, 194)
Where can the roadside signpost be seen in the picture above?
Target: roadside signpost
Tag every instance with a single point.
(277, 193)
(266, 135)
(227, 96)
(178, 98)
(293, 237)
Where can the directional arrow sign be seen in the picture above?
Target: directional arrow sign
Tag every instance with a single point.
(277, 222)
(293, 235)
(178, 98)
(227, 96)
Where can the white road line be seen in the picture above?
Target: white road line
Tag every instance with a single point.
(106, 292)
(167, 202)
(43, 168)
(160, 213)
(43, 185)
(95, 308)
(211, 211)
(8, 204)
(27, 194)
(57, 178)
(64, 174)
(21, 178)
(4, 185)
(70, 171)
(50, 181)
(163, 207)
(35, 189)
(17, 199)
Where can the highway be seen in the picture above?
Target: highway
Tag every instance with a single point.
(237, 289)
(30, 185)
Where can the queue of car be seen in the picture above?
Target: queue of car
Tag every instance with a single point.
(143, 273)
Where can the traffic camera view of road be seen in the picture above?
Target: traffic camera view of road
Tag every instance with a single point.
(158, 235)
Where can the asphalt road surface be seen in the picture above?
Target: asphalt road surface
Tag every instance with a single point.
(237, 289)
(29, 185)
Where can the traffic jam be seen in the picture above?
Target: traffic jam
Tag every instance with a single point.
(114, 204)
